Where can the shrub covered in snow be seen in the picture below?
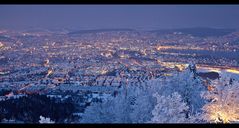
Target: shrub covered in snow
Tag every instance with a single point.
(44, 120)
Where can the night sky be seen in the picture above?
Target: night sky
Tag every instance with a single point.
(145, 17)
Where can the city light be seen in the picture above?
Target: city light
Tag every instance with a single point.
(49, 72)
(233, 71)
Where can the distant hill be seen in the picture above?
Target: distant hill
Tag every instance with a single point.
(198, 32)
(36, 30)
(97, 31)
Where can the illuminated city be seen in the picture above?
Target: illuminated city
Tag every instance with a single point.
(82, 68)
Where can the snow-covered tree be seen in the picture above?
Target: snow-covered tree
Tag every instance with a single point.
(223, 106)
(133, 104)
(189, 87)
(99, 113)
(143, 106)
(113, 110)
(169, 109)
(44, 120)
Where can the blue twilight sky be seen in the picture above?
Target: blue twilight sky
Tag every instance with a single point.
(119, 16)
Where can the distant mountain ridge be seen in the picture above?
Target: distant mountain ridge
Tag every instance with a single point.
(97, 31)
(198, 31)
(195, 31)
